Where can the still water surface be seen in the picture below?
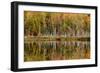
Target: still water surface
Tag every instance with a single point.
(56, 50)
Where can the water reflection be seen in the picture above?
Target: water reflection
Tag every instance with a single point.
(56, 50)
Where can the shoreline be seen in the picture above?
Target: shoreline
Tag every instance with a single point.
(57, 38)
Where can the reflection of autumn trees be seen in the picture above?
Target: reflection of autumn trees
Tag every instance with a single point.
(56, 50)
(66, 24)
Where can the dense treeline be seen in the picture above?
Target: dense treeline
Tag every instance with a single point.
(53, 23)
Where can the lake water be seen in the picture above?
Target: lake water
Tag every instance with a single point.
(56, 50)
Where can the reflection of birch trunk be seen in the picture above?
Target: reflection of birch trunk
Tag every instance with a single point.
(44, 53)
(64, 53)
(39, 47)
(52, 54)
(39, 30)
(53, 49)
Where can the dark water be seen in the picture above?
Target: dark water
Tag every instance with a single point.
(56, 50)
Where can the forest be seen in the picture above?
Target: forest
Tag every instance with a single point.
(56, 24)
